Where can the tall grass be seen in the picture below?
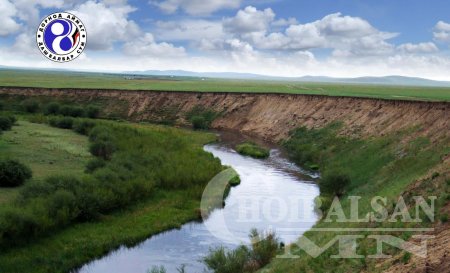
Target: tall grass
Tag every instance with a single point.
(141, 162)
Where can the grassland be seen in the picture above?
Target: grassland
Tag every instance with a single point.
(47, 79)
(47, 151)
(47, 234)
(382, 166)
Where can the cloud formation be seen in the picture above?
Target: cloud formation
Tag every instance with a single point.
(195, 7)
(7, 23)
(441, 32)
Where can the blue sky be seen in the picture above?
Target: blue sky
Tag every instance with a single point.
(341, 38)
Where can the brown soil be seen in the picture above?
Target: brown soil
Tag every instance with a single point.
(272, 116)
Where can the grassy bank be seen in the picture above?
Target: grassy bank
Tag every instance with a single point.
(47, 79)
(380, 166)
(144, 179)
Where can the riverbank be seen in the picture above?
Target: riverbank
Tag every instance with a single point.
(52, 233)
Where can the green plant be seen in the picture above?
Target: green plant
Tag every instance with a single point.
(220, 260)
(264, 247)
(201, 118)
(72, 111)
(444, 218)
(83, 127)
(199, 123)
(92, 111)
(52, 108)
(334, 182)
(5, 123)
(253, 150)
(102, 149)
(95, 164)
(31, 106)
(61, 122)
(13, 173)
(406, 257)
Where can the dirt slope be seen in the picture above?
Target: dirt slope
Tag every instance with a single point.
(270, 116)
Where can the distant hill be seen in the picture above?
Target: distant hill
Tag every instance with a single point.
(388, 80)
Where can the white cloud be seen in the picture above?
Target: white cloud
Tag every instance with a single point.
(195, 7)
(429, 47)
(8, 25)
(106, 24)
(189, 30)
(147, 47)
(249, 20)
(441, 32)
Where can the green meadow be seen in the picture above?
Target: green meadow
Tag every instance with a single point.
(77, 206)
(49, 79)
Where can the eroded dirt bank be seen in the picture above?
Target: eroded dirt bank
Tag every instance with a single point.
(270, 116)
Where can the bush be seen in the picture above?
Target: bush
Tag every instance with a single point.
(95, 164)
(199, 123)
(201, 118)
(13, 173)
(52, 108)
(38, 118)
(1, 106)
(102, 149)
(253, 150)
(5, 123)
(334, 182)
(243, 259)
(264, 247)
(92, 112)
(221, 260)
(30, 106)
(61, 122)
(83, 127)
(72, 111)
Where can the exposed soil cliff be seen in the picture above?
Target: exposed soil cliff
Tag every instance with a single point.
(270, 116)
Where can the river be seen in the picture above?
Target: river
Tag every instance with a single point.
(274, 195)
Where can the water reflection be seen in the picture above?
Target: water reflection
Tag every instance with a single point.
(274, 195)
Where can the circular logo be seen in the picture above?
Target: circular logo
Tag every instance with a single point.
(61, 37)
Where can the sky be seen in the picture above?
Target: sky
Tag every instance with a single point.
(337, 38)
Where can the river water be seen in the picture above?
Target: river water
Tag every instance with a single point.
(274, 195)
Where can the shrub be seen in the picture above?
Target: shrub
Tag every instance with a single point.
(253, 150)
(444, 218)
(13, 173)
(5, 123)
(102, 149)
(243, 259)
(95, 164)
(52, 108)
(221, 260)
(30, 106)
(201, 118)
(61, 122)
(199, 123)
(264, 248)
(83, 127)
(72, 111)
(100, 133)
(38, 118)
(1, 106)
(92, 112)
(334, 182)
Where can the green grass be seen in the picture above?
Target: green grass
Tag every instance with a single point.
(379, 166)
(46, 79)
(79, 244)
(253, 150)
(146, 155)
(47, 151)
